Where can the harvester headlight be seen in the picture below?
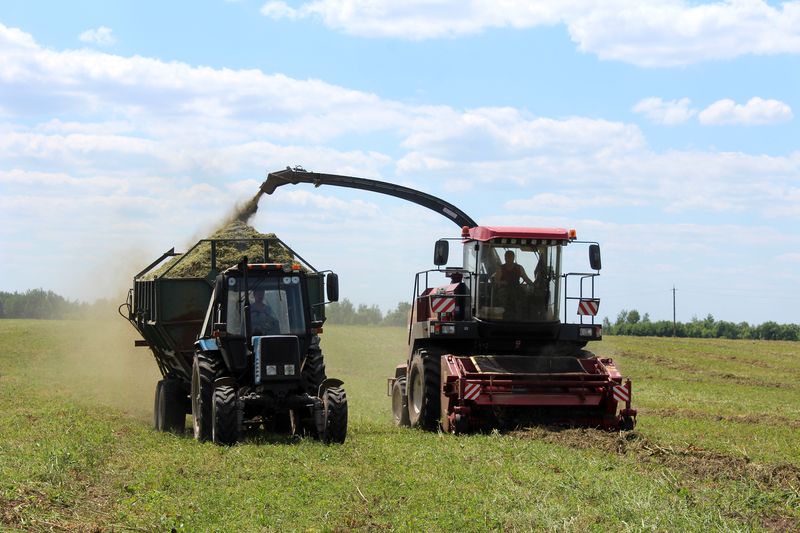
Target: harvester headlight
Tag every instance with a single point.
(586, 332)
(448, 329)
(288, 370)
(272, 370)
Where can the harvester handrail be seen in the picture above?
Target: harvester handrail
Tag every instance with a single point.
(583, 277)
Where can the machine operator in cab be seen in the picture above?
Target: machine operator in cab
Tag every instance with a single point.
(510, 272)
(262, 319)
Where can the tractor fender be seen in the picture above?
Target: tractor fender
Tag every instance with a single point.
(225, 380)
(400, 371)
(329, 383)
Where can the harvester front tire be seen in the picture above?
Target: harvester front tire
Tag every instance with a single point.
(203, 375)
(170, 407)
(423, 387)
(400, 403)
(225, 416)
(334, 401)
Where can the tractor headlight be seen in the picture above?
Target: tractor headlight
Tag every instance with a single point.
(288, 370)
(586, 332)
(272, 370)
(448, 329)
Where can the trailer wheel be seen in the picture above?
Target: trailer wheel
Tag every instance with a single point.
(334, 401)
(225, 416)
(313, 372)
(169, 413)
(400, 403)
(423, 390)
(203, 375)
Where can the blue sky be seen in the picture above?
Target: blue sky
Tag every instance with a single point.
(667, 130)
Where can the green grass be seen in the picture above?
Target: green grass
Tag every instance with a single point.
(717, 448)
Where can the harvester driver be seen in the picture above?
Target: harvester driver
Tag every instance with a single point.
(510, 272)
(262, 319)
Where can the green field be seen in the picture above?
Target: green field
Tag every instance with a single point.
(717, 448)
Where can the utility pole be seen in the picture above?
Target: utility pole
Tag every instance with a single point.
(674, 322)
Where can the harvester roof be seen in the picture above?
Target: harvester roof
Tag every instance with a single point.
(486, 233)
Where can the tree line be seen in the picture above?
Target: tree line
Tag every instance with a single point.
(344, 312)
(633, 323)
(42, 304)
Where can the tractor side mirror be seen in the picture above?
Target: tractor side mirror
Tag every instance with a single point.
(594, 256)
(332, 287)
(441, 252)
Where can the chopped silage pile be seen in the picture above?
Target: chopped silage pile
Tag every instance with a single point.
(196, 263)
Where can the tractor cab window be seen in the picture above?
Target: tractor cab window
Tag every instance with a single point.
(276, 305)
(518, 282)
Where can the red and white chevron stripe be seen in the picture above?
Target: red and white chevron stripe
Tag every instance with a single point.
(588, 307)
(621, 393)
(443, 305)
(472, 391)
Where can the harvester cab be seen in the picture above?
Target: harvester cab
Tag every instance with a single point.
(239, 349)
(487, 345)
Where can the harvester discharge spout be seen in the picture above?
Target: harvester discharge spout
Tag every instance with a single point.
(299, 175)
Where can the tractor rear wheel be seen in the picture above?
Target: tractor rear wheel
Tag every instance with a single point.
(334, 402)
(204, 372)
(313, 372)
(169, 413)
(423, 390)
(225, 416)
(400, 403)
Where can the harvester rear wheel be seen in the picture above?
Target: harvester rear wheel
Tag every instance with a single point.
(313, 372)
(400, 403)
(204, 372)
(423, 390)
(627, 423)
(335, 404)
(225, 416)
(169, 413)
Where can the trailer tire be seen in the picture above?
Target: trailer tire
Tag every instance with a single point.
(400, 403)
(423, 386)
(313, 372)
(334, 402)
(169, 412)
(204, 372)
(225, 416)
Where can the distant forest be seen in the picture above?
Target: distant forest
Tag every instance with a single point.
(633, 323)
(38, 303)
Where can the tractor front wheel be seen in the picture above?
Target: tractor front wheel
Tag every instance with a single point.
(225, 416)
(423, 391)
(400, 403)
(334, 402)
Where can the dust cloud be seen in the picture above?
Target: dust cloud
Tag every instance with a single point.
(100, 364)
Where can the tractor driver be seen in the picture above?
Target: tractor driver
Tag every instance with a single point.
(262, 320)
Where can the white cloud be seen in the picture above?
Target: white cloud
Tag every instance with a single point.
(655, 33)
(756, 111)
(101, 36)
(667, 112)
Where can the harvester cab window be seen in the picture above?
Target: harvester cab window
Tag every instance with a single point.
(518, 283)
